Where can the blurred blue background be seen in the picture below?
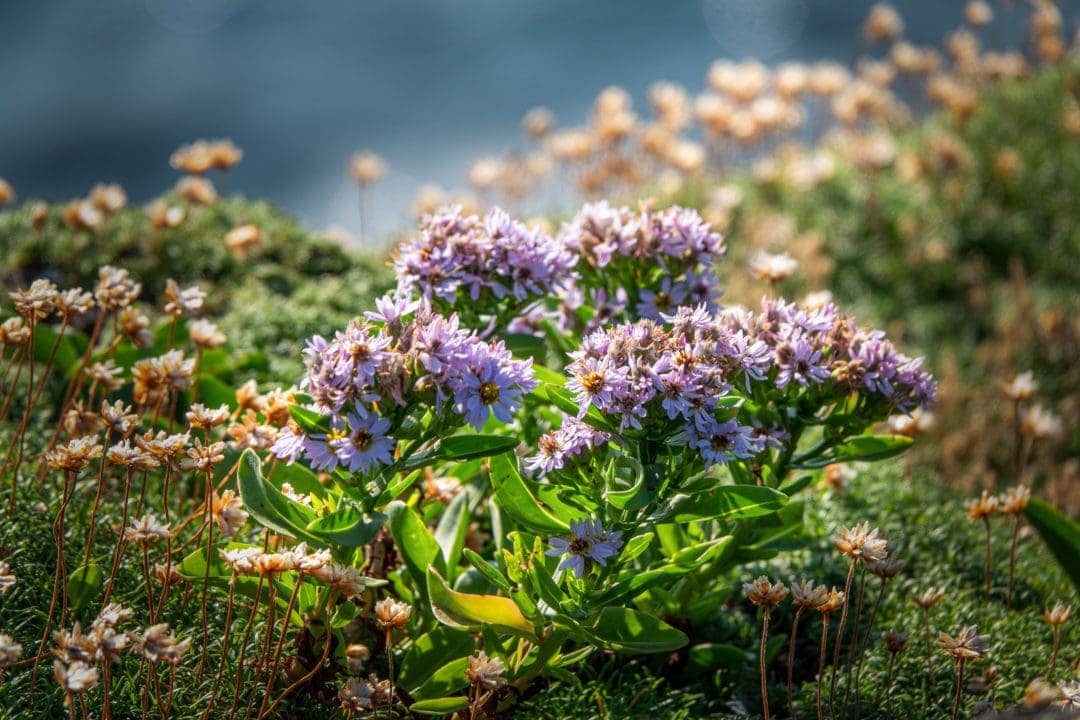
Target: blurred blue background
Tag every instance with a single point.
(105, 91)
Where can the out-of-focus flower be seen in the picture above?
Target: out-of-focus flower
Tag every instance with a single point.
(366, 168)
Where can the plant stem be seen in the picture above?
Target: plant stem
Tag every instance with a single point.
(1012, 560)
(821, 661)
(959, 687)
(839, 638)
(986, 595)
(761, 662)
(791, 661)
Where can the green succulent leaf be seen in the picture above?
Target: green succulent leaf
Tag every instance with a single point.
(473, 612)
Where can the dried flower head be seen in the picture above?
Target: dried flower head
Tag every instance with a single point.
(202, 458)
(130, 455)
(392, 614)
(7, 193)
(967, 645)
(485, 672)
(1022, 387)
(10, 651)
(74, 455)
(1039, 693)
(895, 642)
(164, 215)
(115, 289)
(862, 543)
(773, 268)
(808, 595)
(1070, 695)
(74, 303)
(201, 417)
(182, 302)
(366, 168)
(882, 23)
(229, 512)
(763, 593)
(833, 601)
(243, 239)
(158, 644)
(1058, 615)
(13, 332)
(1014, 500)
(205, 334)
(196, 190)
(928, 598)
(135, 327)
(887, 568)
(78, 677)
(147, 530)
(982, 508)
(36, 302)
(7, 579)
(357, 654)
(356, 695)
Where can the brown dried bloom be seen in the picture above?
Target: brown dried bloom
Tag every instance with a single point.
(109, 198)
(201, 417)
(895, 642)
(1070, 695)
(157, 644)
(128, 455)
(928, 598)
(808, 595)
(763, 593)
(118, 417)
(74, 455)
(39, 215)
(538, 122)
(1022, 387)
(36, 302)
(978, 13)
(773, 268)
(74, 303)
(248, 397)
(13, 332)
(982, 508)
(1058, 615)
(862, 543)
(967, 645)
(392, 614)
(242, 239)
(203, 458)
(163, 215)
(115, 289)
(883, 23)
(196, 190)
(7, 193)
(1039, 423)
(79, 421)
(7, 579)
(135, 327)
(357, 654)
(886, 569)
(1039, 693)
(205, 334)
(182, 302)
(229, 513)
(1014, 500)
(355, 695)
(147, 530)
(176, 370)
(10, 651)
(366, 168)
(485, 672)
(75, 678)
(106, 375)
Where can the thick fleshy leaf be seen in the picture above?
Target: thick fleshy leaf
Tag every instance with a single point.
(452, 528)
(347, 526)
(634, 633)
(472, 612)
(563, 399)
(469, 447)
(417, 546)
(1061, 535)
(725, 502)
(440, 706)
(515, 499)
(431, 651)
(269, 506)
(309, 421)
(84, 584)
(445, 680)
(68, 350)
(861, 448)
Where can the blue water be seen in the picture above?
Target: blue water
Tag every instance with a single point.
(105, 90)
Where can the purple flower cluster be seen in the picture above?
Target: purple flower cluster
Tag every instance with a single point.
(402, 356)
(456, 252)
(647, 374)
(588, 541)
(674, 242)
(558, 447)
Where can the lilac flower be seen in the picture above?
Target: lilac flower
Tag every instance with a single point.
(663, 299)
(289, 444)
(597, 382)
(800, 361)
(366, 446)
(391, 311)
(588, 541)
(555, 449)
(721, 442)
(491, 381)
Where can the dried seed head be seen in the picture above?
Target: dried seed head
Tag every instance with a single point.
(356, 695)
(182, 302)
(158, 644)
(833, 601)
(203, 458)
(808, 595)
(201, 417)
(135, 327)
(1039, 423)
(36, 302)
(763, 593)
(1015, 500)
(196, 190)
(7, 579)
(928, 598)
(895, 642)
(129, 455)
(773, 268)
(78, 677)
(147, 530)
(243, 239)
(882, 23)
(205, 334)
(357, 654)
(485, 672)
(106, 375)
(115, 289)
(118, 417)
(366, 168)
(10, 651)
(13, 332)
(1040, 693)
(74, 303)
(392, 614)
(1058, 615)
(74, 455)
(1070, 695)
(7, 193)
(967, 645)
(886, 569)
(1022, 387)
(983, 508)
(862, 543)
(229, 513)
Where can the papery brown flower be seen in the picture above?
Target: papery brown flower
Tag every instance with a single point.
(928, 598)
(229, 512)
(392, 613)
(36, 302)
(485, 672)
(196, 190)
(809, 595)
(205, 334)
(763, 593)
(74, 455)
(967, 645)
(366, 168)
(982, 508)
(7, 578)
(135, 327)
(895, 642)
(862, 543)
(158, 644)
(1057, 615)
(202, 458)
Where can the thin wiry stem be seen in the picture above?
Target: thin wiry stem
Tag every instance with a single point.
(854, 638)
(1057, 646)
(281, 642)
(839, 637)
(888, 687)
(986, 595)
(1012, 560)
(929, 665)
(761, 662)
(821, 661)
(791, 661)
(959, 687)
(866, 642)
